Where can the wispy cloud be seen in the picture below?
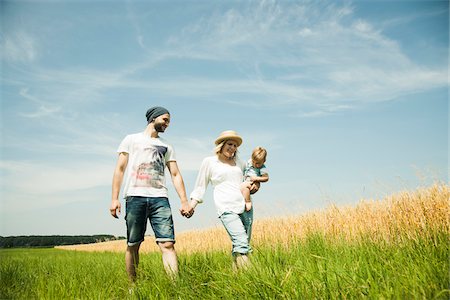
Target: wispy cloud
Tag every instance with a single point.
(18, 46)
(42, 109)
(413, 16)
(132, 17)
(36, 186)
(350, 60)
(316, 58)
(42, 179)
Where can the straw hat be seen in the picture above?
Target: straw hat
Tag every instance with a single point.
(229, 135)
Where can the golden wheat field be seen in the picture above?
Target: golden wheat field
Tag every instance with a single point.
(412, 214)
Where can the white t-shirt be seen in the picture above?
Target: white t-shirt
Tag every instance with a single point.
(226, 181)
(147, 159)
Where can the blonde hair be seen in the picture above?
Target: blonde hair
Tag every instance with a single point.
(219, 148)
(259, 154)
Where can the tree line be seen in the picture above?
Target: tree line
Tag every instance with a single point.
(53, 240)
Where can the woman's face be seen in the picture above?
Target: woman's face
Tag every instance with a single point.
(229, 149)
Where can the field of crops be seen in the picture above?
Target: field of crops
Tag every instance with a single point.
(397, 247)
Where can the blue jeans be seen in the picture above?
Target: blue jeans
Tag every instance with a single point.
(239, 228)
(155, 209)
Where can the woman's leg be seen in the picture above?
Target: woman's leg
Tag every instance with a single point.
(240, 261)
(239, 238)
(247, 221)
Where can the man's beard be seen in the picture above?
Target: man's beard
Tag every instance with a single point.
(159, 127)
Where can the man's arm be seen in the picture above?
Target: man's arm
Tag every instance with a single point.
(186, 210)
(121, 166)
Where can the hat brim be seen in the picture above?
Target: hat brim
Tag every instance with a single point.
(235, 138)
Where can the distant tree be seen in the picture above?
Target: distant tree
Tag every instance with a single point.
(53, 240)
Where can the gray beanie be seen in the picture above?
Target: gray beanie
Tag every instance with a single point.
(154, 112)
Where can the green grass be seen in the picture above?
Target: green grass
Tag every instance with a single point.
(315, 268)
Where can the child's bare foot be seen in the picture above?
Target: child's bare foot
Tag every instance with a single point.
(248, 206)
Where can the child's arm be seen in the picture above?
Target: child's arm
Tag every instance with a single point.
(263, 178)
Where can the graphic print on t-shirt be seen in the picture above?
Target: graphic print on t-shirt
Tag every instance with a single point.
(149, 168)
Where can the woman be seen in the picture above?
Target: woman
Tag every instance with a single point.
(225, 173)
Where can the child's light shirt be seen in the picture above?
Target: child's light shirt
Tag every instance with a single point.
(226, 181)
(250, 170)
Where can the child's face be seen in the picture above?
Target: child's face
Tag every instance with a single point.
(258, 163)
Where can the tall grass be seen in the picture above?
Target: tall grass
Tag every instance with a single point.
(312, 269)
(56, 274)
(403, 216)
(396, 248)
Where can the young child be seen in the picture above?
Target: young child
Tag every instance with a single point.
(255, 172)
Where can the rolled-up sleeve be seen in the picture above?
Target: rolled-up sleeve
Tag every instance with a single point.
(203, 179)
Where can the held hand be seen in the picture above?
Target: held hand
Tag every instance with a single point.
(186, 210)
(115, 208)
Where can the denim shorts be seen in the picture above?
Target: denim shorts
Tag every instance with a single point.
(155, 209)
(239, 228)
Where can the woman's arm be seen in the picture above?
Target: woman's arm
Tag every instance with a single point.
(203, 179)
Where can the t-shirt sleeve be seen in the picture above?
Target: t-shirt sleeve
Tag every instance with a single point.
(125, 145)
(170, 154)
(264, 170)
(203, 178)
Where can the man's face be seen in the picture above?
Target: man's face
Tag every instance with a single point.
(162, 122)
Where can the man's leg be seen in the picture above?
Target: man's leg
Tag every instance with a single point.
(136, 220)
(162, 224)
(132, 261)
(169, 258)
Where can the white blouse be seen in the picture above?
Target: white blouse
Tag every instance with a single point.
(226, 181)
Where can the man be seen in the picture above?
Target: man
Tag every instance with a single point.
(146, 155)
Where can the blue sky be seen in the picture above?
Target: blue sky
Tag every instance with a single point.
(349, 98)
